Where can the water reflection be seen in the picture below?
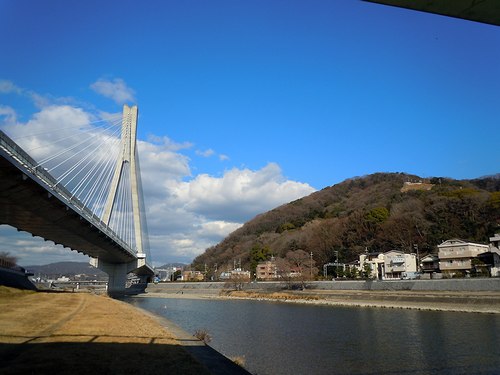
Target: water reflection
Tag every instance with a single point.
(277, 338)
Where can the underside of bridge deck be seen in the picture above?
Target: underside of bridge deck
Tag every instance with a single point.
(28, 206)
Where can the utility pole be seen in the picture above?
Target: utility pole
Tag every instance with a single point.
(415, 246)
(311, 265)
(336, 264)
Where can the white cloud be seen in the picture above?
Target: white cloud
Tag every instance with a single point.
(215, 230)
(168, 143)
(186, 214)
(115, 89)
(239, 194)
(187, 217)
(7, 87)
(42, 134)
(34, 250)
(9, 114)
(206, 153)
(40, 101)
(223, 157)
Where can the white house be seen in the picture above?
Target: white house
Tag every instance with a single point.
(393, 264)
(398, 265)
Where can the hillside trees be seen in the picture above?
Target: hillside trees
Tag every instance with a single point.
(405, 226)
(297, 266)
(371, 212)
(325, 238)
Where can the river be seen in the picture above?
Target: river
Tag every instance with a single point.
(281, 338)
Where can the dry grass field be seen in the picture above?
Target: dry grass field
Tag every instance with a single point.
(81, 333)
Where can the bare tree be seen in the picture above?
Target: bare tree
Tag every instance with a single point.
(7, 260)
(237, 281)
(303, 264)
(284, 272)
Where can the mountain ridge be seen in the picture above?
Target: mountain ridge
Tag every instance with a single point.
(371, 212)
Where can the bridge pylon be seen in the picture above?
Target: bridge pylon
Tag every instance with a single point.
(127, 164)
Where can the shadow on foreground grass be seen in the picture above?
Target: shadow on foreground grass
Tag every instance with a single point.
(96, 358)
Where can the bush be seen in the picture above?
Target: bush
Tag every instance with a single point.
(203, 335)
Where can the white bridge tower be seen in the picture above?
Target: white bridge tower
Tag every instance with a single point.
(127, 159)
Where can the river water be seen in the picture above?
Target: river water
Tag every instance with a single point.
(280, 338)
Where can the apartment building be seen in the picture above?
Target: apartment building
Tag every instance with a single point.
(398, 265)
(267, 270)
(456, 256)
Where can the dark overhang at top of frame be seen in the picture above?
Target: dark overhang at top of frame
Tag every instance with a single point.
(485, 11)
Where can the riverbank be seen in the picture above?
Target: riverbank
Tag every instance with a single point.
(460, 301)
(82, 333)
(436, 301)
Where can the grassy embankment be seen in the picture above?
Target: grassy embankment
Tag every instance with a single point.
(81, 333)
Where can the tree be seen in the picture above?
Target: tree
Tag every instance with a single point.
(258, 253)
(303, 264)
(325, 238)
(7, 260)
(377, 215)
(177, 274)
(367, 271)
(284, 271)
(237, 281)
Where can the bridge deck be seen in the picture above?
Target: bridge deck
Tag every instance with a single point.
(31, 202)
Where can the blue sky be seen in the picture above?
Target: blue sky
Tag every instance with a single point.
(302, 93)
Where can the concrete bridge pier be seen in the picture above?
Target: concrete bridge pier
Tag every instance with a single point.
(117, 272)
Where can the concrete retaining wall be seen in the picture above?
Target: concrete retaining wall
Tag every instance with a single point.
(437, 285)
(15, 279)
(492, 284)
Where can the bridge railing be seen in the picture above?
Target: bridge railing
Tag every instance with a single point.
(22, 157)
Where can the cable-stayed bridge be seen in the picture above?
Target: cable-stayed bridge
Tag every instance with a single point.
(83, 191)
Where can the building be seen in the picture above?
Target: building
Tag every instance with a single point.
(167, 274)
(237, 273)
(495, 241)
(429, 266)
(372, 264)
(490, 261)
(393, 264)
(267, 270)
(192, 276)
(456, 256)
(398, 265)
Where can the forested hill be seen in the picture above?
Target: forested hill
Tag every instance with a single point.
(379, 212)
